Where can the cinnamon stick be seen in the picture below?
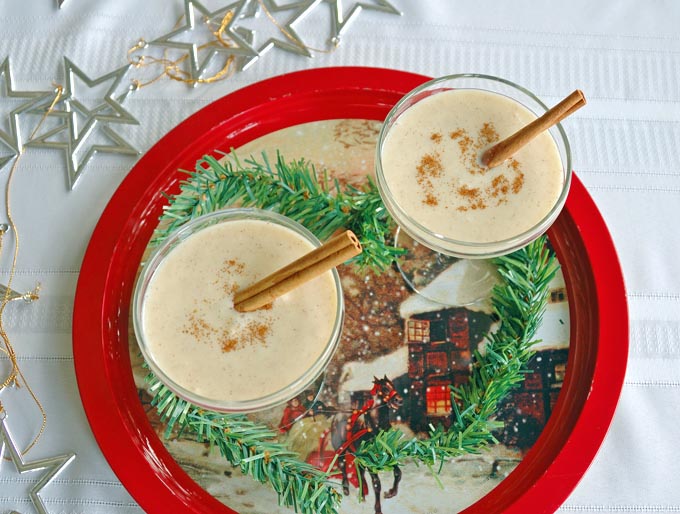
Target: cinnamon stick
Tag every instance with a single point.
(509, 146)
(332, 253)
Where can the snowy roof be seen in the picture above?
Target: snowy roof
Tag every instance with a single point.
(457, 285)
(457, 282)
(358, 376)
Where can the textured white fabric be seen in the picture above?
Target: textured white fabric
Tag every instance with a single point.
(624, 54)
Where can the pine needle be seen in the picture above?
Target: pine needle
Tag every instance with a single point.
(292, 189)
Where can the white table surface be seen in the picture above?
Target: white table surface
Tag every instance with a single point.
(625, 55)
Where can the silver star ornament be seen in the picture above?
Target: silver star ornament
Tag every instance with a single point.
(50, 466)
(341, 22)
(289, 40)
(76, 140)
(197, 67)
(11, 139)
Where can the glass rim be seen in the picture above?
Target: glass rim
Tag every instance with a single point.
(438, 241)
(150, 265)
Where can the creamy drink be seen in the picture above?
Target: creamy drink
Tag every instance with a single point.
(434, 184)
(223, 358)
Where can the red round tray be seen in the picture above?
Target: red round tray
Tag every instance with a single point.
(598, 312)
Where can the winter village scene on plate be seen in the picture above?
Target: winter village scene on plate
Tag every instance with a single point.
(400, 348)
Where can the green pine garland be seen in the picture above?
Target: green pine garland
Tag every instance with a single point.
(519, 302)
(294, 190)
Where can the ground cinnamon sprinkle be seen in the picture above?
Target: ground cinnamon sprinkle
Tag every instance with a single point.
(518, 181)
(253, 333)
(499, 186)
(469, 148)
(468, 192)
(430, 167)
(197, 327)
(472, 198)
(233, 265)
(230, 267)
(465, 143)
(431, 200)
(474, 205)
(479, 204)
(488, 133)
(229, 344)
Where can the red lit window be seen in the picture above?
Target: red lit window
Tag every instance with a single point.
(438, 400)
(418, 330)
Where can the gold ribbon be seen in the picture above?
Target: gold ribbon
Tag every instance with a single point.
(171, 68)
(15, 377)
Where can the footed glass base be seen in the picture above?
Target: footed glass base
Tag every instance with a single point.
(443, 279)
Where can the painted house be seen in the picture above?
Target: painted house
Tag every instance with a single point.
(441, 342)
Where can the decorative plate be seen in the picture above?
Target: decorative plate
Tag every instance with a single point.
(330, 116)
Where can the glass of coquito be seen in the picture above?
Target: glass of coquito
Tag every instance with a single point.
(205, 350)
(452, 210)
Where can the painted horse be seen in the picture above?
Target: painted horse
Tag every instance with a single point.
(349, 430)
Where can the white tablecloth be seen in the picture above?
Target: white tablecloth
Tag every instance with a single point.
(625, 55)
